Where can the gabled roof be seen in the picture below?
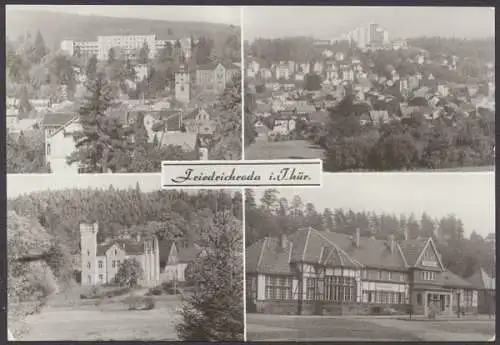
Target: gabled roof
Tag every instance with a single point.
(57, 119)
(412, 249)
(189, 254)
(481, 280)
(450, 279)
(129, 246)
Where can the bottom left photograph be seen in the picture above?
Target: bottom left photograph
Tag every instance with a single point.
(112, 257)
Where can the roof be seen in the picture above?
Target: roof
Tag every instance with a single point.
(131, 247)
(57, 119)
(319, 116)
(481, 280)
(412, 249)
(189, 254)
(186, 140)
(450, 279)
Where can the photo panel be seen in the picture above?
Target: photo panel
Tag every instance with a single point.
(371, 257)
(371, 88)
(113, 257)
(118, 89)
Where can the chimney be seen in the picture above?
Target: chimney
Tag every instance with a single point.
(283, 241)
(356, 238)
(391, 243)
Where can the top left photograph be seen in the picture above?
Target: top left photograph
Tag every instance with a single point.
(119, 89)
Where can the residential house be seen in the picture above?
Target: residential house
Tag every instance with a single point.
(174, 260)
(215, 76)
(443, 90)
(141, 72)
(319, 117)
(379, 117)
(283, 124)
(265, 73)
(283, 71)
(318, 67)
(59, 143)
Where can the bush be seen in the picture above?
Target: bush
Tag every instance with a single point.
(140, 303)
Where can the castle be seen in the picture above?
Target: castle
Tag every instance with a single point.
(160, 260)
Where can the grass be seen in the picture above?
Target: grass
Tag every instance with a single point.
(66, 317)
(321, 328)
(291, 149)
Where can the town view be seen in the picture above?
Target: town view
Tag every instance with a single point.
(366, 98)
(92, 93)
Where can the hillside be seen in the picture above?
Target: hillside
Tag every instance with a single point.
(58, 26)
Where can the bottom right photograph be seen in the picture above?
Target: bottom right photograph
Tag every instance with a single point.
(372, 257)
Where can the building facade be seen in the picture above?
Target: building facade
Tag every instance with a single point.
(182, 90)
(161, 261)
(128, 46)
(215, 76)
(327, 273)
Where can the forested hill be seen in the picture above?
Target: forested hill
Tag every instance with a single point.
(274, 215)
(58, 26)
(170, 214)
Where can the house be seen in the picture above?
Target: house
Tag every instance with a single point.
(318, 67)
(328, 273)
(141, 72)
(443, 90)
(59, 143)
(485, 285)
(265, 73)
(174, 260)
(283, 124)
(283, 71)
(215, 76)
(200, 121)
(379, 117)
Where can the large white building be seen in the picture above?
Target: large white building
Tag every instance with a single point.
(368, 35)
(128, 45)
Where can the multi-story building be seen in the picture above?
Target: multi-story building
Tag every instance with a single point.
(318, 272)
(215, 76)
(127, 45)
(160, 260)
(283, 71)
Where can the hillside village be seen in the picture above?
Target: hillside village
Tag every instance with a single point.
(170, 89)
(421, 82)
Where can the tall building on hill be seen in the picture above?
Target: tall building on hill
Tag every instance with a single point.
(128, 45)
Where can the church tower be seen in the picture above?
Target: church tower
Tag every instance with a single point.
(182, 86)
(88, 244)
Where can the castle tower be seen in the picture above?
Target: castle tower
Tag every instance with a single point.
(88, 244)
(182, 86)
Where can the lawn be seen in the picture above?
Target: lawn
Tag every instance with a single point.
(323, 328)
(68, 318)
(290, 149)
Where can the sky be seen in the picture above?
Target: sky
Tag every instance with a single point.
(470, 196)
(324, 22)
(211, 14)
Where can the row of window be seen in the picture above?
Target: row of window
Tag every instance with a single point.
(100, 264)
(426, 275)
(384, 275)
(384, 297)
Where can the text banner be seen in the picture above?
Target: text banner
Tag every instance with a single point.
(251, 173)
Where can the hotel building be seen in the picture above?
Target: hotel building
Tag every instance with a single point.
(326, 273)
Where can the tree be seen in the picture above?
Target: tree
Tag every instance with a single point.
(103, 138)
(215, 311)
(25, 106)
(91, 68)
(129, 274)
(144, 53)
(111, 55)
(270, 200)
(39, 49)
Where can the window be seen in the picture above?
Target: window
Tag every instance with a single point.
(48, 149)
(113, 264)
(419, 299)
(402, 277)
(278, 287)
(88, 265)
(389, 275)
(340, 288)
(100, 264)
(100, 277)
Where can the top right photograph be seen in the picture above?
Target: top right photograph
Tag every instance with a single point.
(371, 88)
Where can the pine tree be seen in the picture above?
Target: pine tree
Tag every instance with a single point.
(39, 49)
(215, 311)
(144, 53)
(91, 68)
(103, 140)
(25, 106)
